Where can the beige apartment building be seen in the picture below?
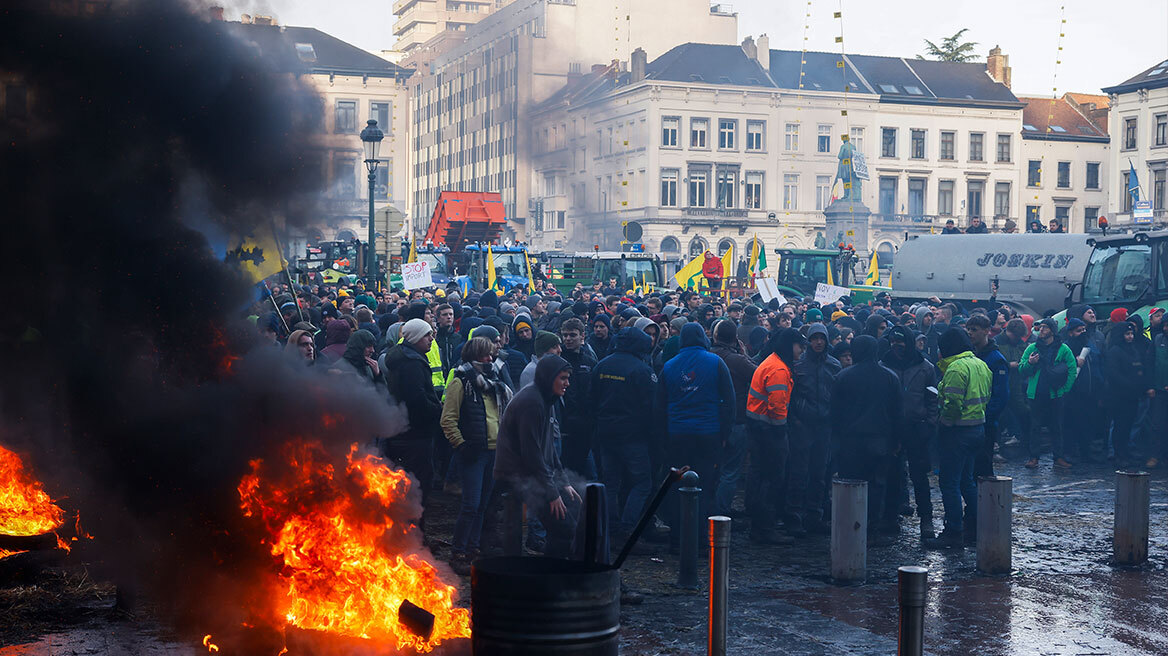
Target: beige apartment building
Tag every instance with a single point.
(418, 21)
(1139, 142)
(469, 112)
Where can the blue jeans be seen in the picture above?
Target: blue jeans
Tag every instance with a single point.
(626, 465)
(733, 455)
(476, 466)
(957, 447)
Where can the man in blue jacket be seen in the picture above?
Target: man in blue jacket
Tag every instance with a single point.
(623, 388)
(697, 395)
(978, 327)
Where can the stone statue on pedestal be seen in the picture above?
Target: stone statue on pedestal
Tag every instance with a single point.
(850, 190)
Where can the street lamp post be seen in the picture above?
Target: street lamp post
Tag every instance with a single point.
(371, 136)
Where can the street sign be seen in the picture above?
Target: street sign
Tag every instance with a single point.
(416, 275)
(1142, 211)
(859, 165)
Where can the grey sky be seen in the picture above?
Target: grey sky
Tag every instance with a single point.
(1105, 43)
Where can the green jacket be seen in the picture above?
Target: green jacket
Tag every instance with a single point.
(1160, 367)
(965, 390)
(1031, 371)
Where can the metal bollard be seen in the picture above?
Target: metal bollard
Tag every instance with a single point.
(595, 524)
(719, 584)
(849, 530)
(1130, 541)
(912, 586)
(512, 524)
(995, 507)
(687, 569)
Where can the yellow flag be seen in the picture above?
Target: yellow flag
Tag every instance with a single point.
(490, 268)
(256, 254)
(413, 251)
(830, 280)
(530, 278)
(873, 272)
(643, 287)
(690, 275)
(727, 265)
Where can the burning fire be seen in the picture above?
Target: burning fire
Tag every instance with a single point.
(343, 571)
(25, 507)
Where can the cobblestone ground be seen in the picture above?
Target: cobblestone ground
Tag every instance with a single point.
(1063, 598)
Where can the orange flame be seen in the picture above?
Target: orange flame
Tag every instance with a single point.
(25, 507)
(341, 572)
(211, 647)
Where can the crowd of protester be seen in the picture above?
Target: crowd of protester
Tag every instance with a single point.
(537, 393)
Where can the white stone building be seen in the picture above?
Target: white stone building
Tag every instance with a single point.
(1139, 141)
(469, 122)
(1065, 160)
(710, 144)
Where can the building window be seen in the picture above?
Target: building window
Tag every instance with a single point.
(346, 117)
(754, 135)
(791, 137)
(697, 188)
(379, 111)
(857, 138)
(822, 191)
(754, 190)
(1092, 175)
(976, 147)
(698, 127)
(1034, 173)
(790, 191)
(561, 218)
(1062, 214)
(948, 151)
(887, 195)
(888, 142)
(726, 188)
(1064, 175)
(945, 198)
(1158, 188)
(669, 187)
(381, 181)
(974, 192)
(1090, 216)
(345, 177)
(1129, 133)
(1004, 148)
(823, 139)
(726, 129)
(918, 144)
(549, 185)
(1123, 192)
(1161, 129)
(1002, 199)
(916, 196)
(669, 127)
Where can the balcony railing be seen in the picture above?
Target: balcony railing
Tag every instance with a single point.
(723, 212)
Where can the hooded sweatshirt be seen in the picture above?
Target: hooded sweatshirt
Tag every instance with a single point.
(814, 378)
(336, 337)
(865, 402)
(525, 454)
(355, 354)
(624, 391)
(696, 390)
(601, 347)
(916, 375)
(741, 367)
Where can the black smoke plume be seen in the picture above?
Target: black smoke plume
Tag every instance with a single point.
(130, 129)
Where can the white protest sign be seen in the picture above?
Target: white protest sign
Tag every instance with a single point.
(768, 289)
(825, 293)
(416, 275)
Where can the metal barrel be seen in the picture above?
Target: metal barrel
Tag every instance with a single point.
(913, 587)
(995, 508)
(512, 524)
(849, 530)
(687, 563)
(1130, 540)
(719, 584)
(544, 607)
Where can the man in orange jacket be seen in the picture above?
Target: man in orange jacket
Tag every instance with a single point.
(766, 417)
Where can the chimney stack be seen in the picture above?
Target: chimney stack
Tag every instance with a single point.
(998, 66)
(764, 52)
(264, 20)
(216, 12)
(749, 48)
(639, 61)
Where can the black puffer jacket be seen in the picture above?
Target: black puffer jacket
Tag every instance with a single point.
(407, 375)
(815, 375)
(916, 375)
(741, 373)
(624, 391)
(865, 403)
(579, 416)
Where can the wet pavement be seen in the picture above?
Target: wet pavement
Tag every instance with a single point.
(1064, 597)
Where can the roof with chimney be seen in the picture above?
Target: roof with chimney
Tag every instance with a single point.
(1155, 77)
(318, 52)
(893, 79)
(1085, 99)
(1056, 119)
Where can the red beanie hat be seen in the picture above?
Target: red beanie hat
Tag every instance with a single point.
(1119, 315)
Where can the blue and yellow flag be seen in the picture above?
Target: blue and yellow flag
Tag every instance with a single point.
(873, 272)
(255, 254)
(491, 277)
(690, 275)
(530, 278)
(413, 257)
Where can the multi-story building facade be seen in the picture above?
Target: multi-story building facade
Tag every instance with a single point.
(418, 21)
(709, 145)
(1139, 143)
(470, 127)
(1065, 156)
(354, 86)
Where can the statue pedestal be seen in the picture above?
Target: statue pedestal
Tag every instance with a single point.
(847, 221)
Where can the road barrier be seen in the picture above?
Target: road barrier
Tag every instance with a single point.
(1130, 541)
(849, 530)
(687, 564)
(719, 584)
(995, 508)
